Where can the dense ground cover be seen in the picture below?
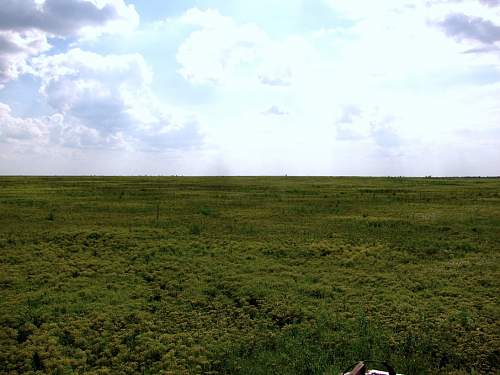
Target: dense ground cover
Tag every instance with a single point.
(248, 275)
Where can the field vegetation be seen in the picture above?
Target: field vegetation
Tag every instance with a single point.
(248, 275)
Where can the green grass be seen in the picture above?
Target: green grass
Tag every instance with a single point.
(248, 275)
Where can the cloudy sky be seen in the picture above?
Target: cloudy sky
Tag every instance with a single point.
(224, 87)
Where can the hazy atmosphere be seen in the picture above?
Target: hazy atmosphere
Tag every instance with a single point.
(304, 87)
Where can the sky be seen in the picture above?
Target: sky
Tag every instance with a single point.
(238, 87)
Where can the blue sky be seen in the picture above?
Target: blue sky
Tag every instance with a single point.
(207, 87)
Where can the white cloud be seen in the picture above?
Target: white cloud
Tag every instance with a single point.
(274, 110)
(70, 78)
(359, 9)
(388, 65)
(26, 26)
(67, 17)
(98, 101)
(106, 101)
(277, 78)
(368, 124)
(393, 22)
(490, 3)
(461, 26)
(214, 53)
(222, 52)
(15, 49)
(18, 130)
(42, 134)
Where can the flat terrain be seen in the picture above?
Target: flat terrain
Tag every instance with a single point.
(248, 275)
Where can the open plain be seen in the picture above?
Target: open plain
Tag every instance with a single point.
(249, 275)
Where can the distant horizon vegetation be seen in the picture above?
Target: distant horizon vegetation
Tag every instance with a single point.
(257, 175)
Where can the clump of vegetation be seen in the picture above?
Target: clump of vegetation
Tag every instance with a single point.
(51, 216)
(195, 229)
(207, 211)
(248, 275)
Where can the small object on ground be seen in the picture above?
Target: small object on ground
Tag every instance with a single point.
(360, 369)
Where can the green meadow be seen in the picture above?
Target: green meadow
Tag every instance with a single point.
(248, 275)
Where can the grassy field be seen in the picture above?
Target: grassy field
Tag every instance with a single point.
(280, 275)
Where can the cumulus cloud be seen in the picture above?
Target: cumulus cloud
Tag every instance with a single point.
(221, 52)
(211, 54)
(26, 26)
(98, 101)
(483, 49)
(15, 49)
(106, 101)
(43, 133)
(275, 111)
(65, 17)
(349, 114)
(276, 78)
(34, 132)
(490, 3)
(385, 135)
(274, 81)
(350, 125)
(91, 86)
(463, 27)
(355, 123)
(359, 9)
